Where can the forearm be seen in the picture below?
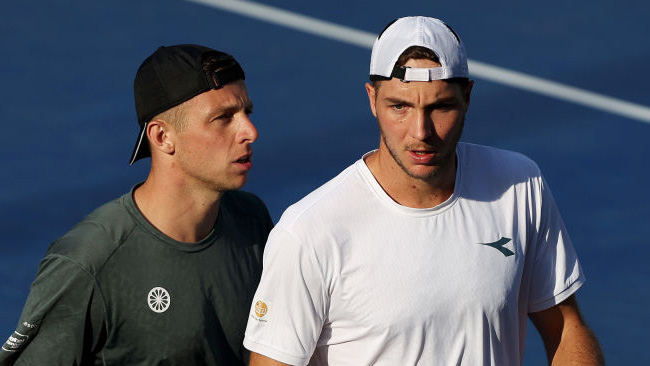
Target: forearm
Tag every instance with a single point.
(567, 338)
(260, 360)
(578, 346)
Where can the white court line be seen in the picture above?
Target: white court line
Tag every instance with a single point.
(477, 69)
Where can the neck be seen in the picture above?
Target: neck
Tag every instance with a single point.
(179, 211)
(410, 191)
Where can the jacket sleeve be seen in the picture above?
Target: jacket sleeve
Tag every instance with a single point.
(62, 322)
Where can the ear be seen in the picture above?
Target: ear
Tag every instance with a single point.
(161, 136)
(468, 92)
(372, 97)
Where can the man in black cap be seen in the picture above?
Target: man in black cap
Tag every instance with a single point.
(164, 274)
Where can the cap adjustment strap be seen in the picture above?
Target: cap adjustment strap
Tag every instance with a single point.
(226, 75)
(405, 73)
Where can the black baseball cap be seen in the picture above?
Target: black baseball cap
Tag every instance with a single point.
(173, 75)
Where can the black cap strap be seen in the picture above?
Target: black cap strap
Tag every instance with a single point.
(226, 75)
(399, 72)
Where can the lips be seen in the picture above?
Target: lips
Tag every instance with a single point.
(245, 161)
(422, 156)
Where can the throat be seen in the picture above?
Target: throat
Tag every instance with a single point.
(181, 216)
(423, 197)
(404, 186)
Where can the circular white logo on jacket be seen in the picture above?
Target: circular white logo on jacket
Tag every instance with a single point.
(158, 299)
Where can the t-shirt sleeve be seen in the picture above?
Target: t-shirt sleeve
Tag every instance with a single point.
(288, 309)
(556, 270)
(61, 321)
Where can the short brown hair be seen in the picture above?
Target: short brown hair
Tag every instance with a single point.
(421, 53)
(417, 53)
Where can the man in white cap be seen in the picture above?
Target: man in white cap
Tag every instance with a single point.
(426, 251)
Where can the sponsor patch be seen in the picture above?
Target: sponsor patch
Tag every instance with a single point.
(158, 300)
(260, 311)
(15, 342)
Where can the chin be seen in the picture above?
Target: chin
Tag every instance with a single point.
(424, 174)
(238, 183)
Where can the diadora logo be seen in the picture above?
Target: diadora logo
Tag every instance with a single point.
(499, 245)
(158, 300)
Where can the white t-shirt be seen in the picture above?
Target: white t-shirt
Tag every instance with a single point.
(352, 278)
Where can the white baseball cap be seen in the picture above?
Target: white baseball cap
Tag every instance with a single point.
(421, 31)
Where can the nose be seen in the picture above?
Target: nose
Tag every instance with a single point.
(421, 126)
(248, 131)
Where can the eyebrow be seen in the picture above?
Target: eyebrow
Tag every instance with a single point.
(396, 101)
(445, 100)
(232, 108)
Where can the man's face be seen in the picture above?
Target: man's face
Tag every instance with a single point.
(420, 122)
(214, 148)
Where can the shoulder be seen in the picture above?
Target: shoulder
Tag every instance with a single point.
(92, 241)
(493, 161)
(325, 200)
(247, 208)
(243, 202)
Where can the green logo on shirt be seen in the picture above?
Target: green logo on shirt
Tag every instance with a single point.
(499, 245)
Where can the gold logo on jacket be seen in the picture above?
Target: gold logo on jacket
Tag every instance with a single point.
(261, 309)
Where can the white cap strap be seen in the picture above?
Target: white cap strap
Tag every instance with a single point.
(405, 73)
(413, 74)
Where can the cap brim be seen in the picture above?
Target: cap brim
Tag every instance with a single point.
(141, 149)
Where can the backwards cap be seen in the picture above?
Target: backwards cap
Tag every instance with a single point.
(173, 75)
(421, 31)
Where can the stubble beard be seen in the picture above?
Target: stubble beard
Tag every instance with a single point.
(218, 182)
(444, 161)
